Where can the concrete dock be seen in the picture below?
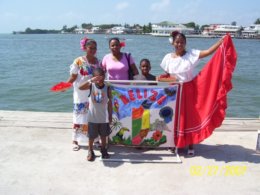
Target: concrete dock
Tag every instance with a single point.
(36, 158)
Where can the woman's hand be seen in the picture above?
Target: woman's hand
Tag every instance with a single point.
(166, 78)
(212, 49)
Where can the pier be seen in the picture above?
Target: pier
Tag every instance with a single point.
(36, 158)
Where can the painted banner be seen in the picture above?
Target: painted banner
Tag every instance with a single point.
(143, 115)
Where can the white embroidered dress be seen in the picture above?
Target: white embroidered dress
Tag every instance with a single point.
(181, 67)
(84, 71)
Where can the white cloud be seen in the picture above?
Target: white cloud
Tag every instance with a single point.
(160, 6)
(122, 5)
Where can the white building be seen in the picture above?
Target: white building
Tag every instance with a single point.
(252, 31)
(165, 29)
(118, 30)
(81, 31)
(223, 29)
(207, 31)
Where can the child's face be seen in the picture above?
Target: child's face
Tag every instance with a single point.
(145, 67)
(101, 81)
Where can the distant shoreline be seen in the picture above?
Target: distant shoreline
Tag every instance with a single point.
(147, 34)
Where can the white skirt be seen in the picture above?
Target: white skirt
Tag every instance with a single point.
(80, 111)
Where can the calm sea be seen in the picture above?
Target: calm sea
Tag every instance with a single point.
(31, 64)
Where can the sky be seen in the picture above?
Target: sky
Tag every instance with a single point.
(17, 15)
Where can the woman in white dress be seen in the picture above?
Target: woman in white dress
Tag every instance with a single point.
(180, 64)
(80, 71)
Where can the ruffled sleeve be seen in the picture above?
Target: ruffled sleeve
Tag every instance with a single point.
(180, 65)
(74, 67)
(165, 63)
(193, 56)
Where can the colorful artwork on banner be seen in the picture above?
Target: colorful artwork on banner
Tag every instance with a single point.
(143, 115)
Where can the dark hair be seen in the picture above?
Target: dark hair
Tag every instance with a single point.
(99, 70)
(113, 39)
(86, 42)
(175, 34)
(145, 60)
(89, 42)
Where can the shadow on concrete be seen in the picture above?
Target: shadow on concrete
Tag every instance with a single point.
(227, 153)
(135, 155)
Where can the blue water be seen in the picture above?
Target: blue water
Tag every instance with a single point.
(31, 64)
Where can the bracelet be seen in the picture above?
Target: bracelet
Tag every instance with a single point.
(89, 81)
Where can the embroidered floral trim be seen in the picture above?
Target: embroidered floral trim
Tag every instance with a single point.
(81, 108)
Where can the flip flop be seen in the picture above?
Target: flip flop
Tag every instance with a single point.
(91, 156)
(75, 147)
(172, 150)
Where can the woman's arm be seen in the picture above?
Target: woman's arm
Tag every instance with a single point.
(166, 78)
(85, 85)
(109, 106)
(72, 78)
(134, 69)
(209, 51)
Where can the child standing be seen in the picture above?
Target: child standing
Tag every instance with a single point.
(145, 67)
(100, 111)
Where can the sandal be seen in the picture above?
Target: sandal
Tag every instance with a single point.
(75, 147)
(104, 153)
(172, 150)
(191, 152)
(91, 156)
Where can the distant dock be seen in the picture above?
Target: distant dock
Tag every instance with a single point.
(36, 158)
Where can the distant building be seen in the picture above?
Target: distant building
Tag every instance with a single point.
(137, 29)
(93, 30)
(165, 29)
(252, 31)
(223, 29)
(97, 30)
(209, 29)
(80, 31)
(118, 30)
(218, 30)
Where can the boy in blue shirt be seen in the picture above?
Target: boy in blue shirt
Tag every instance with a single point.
(100, 112)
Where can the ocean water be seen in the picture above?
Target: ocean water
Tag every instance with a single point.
(31, 64)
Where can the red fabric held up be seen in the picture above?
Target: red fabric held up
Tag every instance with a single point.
(204, 99)
(62, 86)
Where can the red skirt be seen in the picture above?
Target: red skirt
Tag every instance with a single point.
(204, 99)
